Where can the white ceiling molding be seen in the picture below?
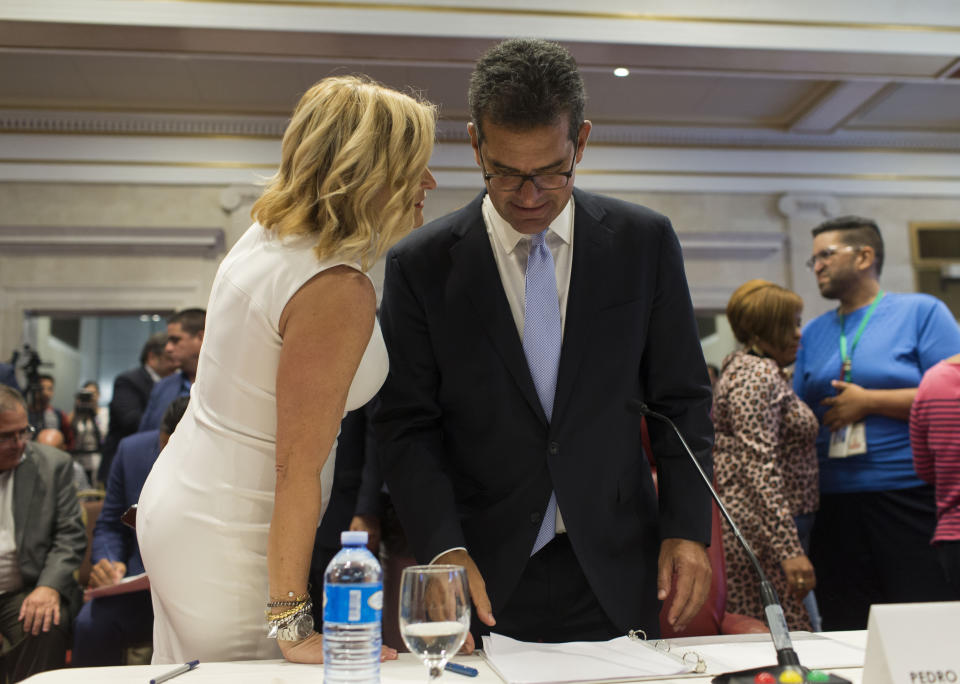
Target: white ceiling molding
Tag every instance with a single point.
(268, 130)
(919, 27)
(121, 296)
(709, 298)
(826, 206)
(140, 123)
(112, 241)
(730, 246)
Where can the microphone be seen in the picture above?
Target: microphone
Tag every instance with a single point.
(786, 657)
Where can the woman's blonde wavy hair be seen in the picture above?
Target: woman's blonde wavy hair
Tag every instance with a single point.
(352, 161)
(765, 311)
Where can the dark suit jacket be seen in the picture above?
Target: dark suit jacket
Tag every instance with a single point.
(131, 392)
(162, 394)
(49, 531)
(131, 465)
(356, 491)
(466, 450)
(8, 376)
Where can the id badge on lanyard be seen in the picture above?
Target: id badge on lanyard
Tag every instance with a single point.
(851, 440)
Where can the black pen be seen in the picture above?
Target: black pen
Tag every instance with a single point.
(186, 667)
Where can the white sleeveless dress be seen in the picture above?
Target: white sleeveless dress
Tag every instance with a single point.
(205, 510)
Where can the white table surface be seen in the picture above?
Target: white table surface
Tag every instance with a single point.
(406, 670)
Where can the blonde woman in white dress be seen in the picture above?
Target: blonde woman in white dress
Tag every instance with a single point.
(227, 517)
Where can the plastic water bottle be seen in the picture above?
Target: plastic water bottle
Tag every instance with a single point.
(352, 606)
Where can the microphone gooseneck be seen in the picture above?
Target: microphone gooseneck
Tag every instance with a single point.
(772, 609)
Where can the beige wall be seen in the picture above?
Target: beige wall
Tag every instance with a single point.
(138, 282)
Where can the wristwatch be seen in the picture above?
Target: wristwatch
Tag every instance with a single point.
(298, 627)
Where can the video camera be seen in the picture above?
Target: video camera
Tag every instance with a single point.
(85, 404)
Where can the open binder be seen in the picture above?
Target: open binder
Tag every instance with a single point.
(633, 658)
(627, 658)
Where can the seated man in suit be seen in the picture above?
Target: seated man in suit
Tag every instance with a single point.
(42, 541)
(184, 337)
(131, 392)
(518, 329)
(108, 625)
(54, 438)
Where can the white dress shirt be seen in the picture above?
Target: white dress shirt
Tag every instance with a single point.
(10, 579)
(511, 249)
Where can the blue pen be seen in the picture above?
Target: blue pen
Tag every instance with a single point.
(465, 670)
(186, 667)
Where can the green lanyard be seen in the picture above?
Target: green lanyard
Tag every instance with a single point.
(847, 363)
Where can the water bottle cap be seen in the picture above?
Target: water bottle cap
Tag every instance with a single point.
(353, 538)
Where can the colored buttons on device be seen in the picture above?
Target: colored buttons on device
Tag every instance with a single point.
(764, 678)
(791, 677)
(817, 676)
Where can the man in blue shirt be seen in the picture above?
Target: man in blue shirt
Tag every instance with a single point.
(106, 626)
(858, 368)
(184, 337)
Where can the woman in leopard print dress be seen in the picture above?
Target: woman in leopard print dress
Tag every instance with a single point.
(764, 456)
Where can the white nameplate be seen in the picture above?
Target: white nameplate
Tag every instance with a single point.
(913, 643)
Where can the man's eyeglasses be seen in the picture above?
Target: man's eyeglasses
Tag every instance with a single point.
(511, 182)
(24, 435)
(826, 254)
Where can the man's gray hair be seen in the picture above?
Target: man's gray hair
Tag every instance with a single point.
(10, 399)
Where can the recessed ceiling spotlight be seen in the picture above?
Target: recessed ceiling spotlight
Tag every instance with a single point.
(621, 72)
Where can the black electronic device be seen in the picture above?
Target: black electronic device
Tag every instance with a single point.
(788, 669)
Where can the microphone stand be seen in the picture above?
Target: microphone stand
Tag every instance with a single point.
(779, 632)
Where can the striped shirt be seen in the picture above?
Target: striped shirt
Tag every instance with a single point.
(935, 439)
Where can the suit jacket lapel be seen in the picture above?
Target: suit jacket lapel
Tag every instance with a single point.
(590, 242)
(474, 278)
(24, 482)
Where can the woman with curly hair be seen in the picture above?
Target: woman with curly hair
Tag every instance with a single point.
(228, 515)
(765, 461)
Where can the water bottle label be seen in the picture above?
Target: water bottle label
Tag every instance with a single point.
(352, 603)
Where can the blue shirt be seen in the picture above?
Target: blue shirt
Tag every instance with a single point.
(907, 334)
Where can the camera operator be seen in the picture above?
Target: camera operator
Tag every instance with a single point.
(42, 415)
(87, 432)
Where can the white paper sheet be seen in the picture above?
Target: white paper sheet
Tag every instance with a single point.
(519, 662)
(814, 651)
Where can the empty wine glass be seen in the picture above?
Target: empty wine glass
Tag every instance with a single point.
(434, 613)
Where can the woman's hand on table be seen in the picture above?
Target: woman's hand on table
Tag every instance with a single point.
(310, 650)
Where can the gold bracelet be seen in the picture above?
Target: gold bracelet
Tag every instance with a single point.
(280, 603)
(303, 606)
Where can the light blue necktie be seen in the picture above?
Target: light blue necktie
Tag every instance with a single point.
(542, 338)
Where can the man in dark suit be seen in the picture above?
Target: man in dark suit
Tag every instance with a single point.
(354, 499)
(8, 376)
(518, 328)
(41, 545)
(131, 392)
(184, 337)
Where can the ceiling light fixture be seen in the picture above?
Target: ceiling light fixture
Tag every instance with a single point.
(620, 72)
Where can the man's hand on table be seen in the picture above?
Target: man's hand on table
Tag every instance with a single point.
(478, 590)
(684, 566)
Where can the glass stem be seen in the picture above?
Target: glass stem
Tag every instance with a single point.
(436, 671)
